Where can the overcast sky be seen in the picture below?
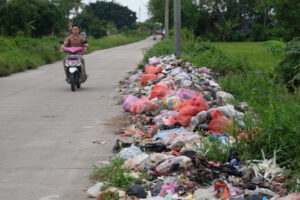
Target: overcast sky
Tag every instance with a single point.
(138, 6)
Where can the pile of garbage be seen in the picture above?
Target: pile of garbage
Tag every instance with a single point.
(180, 109)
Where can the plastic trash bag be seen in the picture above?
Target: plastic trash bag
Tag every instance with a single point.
(167, 82)
(155, 159)
(175, 143)
(189, 109)
(137, 162)
(186, 94)
(224, 95)
(164, 115)
(229, 111)
(129, 100)
(205, 194)
(144, 104)
(204, 70)
(137, 190)
(183, 76)
(153, 61)
(172, 101)
(200, 118)
(152, 69)
(94, 191)
(159, 91)
(164, 133)
(182, 161)
(169, 186)
(219, 123)
(145, 78)
(129, 152)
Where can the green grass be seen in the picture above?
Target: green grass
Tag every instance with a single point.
(115, 175)
(21, 53)
(253, 51)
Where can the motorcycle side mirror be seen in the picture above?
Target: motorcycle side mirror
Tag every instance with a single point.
(61, 42)
(84, 41)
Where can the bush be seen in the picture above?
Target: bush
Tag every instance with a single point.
(238, 36)
(289, 67)
(96, 29)
(288, 61)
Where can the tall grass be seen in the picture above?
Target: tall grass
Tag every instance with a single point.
(21, 53)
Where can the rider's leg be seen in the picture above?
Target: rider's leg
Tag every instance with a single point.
(83, 69)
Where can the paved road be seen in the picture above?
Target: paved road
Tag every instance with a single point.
(46, 131)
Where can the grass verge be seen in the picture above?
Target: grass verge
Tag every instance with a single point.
(21, 53)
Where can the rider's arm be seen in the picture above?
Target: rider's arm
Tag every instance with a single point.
(66, 43)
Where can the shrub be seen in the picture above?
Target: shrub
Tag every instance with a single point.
(289, 67)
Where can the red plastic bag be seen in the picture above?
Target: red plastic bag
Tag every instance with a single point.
(153, 70)
(189, 109)
(159, 91)
(149, 77)
(219, 123)
(142, 105)
(223, 190)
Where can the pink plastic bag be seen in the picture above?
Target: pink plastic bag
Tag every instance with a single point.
(129, 100)
(159, 91)
(167, 82)
(142, 105)
(219, 123)
(153, 61)
(186, 94)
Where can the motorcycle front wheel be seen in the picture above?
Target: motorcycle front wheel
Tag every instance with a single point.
(72, 82)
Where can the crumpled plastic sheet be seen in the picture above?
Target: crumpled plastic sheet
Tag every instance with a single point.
(164, 115)
(130, 152)
(153, 61)
(183, 162)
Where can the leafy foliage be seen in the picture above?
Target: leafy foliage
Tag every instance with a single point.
(289, 67)
(110, 11)
(33, 18)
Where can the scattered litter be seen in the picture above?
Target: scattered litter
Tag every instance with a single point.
(178, 111)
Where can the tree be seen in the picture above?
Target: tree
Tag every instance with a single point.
(189, 10)
(287, 14)
(91, 24)
(110, 11)
(225, 28)
(33, 18)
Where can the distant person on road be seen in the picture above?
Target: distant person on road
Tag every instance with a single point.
(76, 40)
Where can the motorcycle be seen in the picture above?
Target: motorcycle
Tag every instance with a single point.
(154, 36)
(74, 66)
